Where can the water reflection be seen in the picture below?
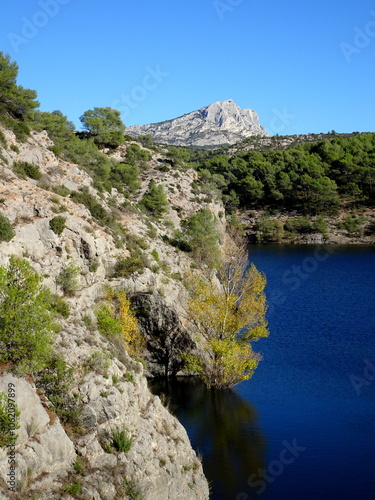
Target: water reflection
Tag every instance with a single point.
(222, 427)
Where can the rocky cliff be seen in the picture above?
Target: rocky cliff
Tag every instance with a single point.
(54, 460)
(214, 125)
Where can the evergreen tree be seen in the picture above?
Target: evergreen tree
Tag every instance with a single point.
(15, 100)
(105, 125)
(155, 199)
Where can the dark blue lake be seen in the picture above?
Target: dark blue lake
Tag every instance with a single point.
(303, 428)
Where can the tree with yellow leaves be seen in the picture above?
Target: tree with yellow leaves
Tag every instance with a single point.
(132, 336)
(116, 318)
(227, 312)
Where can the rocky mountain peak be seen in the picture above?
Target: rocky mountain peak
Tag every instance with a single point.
(222, 122)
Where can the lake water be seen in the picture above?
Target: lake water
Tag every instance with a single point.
(303, 428)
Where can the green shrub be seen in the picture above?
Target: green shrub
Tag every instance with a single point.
(9, 420)
(155, 199)
(353, 225)
(98, 362)
(26, 324)
(108, 325)
(155, 255)
(124, 268)
(19, 128)
(57, 305)
(147, 141)
(25, 169)
(79, 466)
(15, 148)
(57, 224)
(121, 440)
(177, 242)
(74, 489)
(135, 155)
(93, 265)
(269, 230)
(299, 225)
(96, 209)
(125, 176)
(56, 379)
(61, 190)
(135, 244)
(320, 225)
(6, 229)
(202, 235)
(68, 279)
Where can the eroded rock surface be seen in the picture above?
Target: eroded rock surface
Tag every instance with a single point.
(222, 122)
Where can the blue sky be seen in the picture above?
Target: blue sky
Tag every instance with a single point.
(302, 66)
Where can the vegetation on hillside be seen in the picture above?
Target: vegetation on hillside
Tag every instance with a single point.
(311, 178)
(26, 323)
(227, 307)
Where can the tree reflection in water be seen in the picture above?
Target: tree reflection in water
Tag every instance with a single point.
(222, 427)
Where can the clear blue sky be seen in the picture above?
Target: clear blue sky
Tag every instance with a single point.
(279, 58)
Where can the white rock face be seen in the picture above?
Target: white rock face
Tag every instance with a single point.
(220, 123)
(42, 446)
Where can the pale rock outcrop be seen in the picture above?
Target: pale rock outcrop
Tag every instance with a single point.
(42, 446)
(220, 123)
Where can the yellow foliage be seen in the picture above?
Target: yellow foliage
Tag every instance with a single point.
(227, 311)
(228, 363)
(133, 339)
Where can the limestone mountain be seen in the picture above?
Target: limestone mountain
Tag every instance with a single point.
(222, 122)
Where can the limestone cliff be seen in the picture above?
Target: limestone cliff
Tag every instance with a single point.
(212, 126)
(112, 394)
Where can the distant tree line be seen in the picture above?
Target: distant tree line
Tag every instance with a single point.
(312, 177)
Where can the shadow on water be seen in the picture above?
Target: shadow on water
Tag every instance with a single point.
(222, 427)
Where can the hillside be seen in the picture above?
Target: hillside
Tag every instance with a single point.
(297, 188)
(122, 246)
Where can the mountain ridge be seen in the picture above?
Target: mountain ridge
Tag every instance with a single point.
(222, 122)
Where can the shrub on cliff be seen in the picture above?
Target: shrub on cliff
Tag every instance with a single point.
(68, 279)
(9, 418)
(25, 169)
(26, 324)
(202, 236)
(6, 229)
(155, 199)
(57, 224)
